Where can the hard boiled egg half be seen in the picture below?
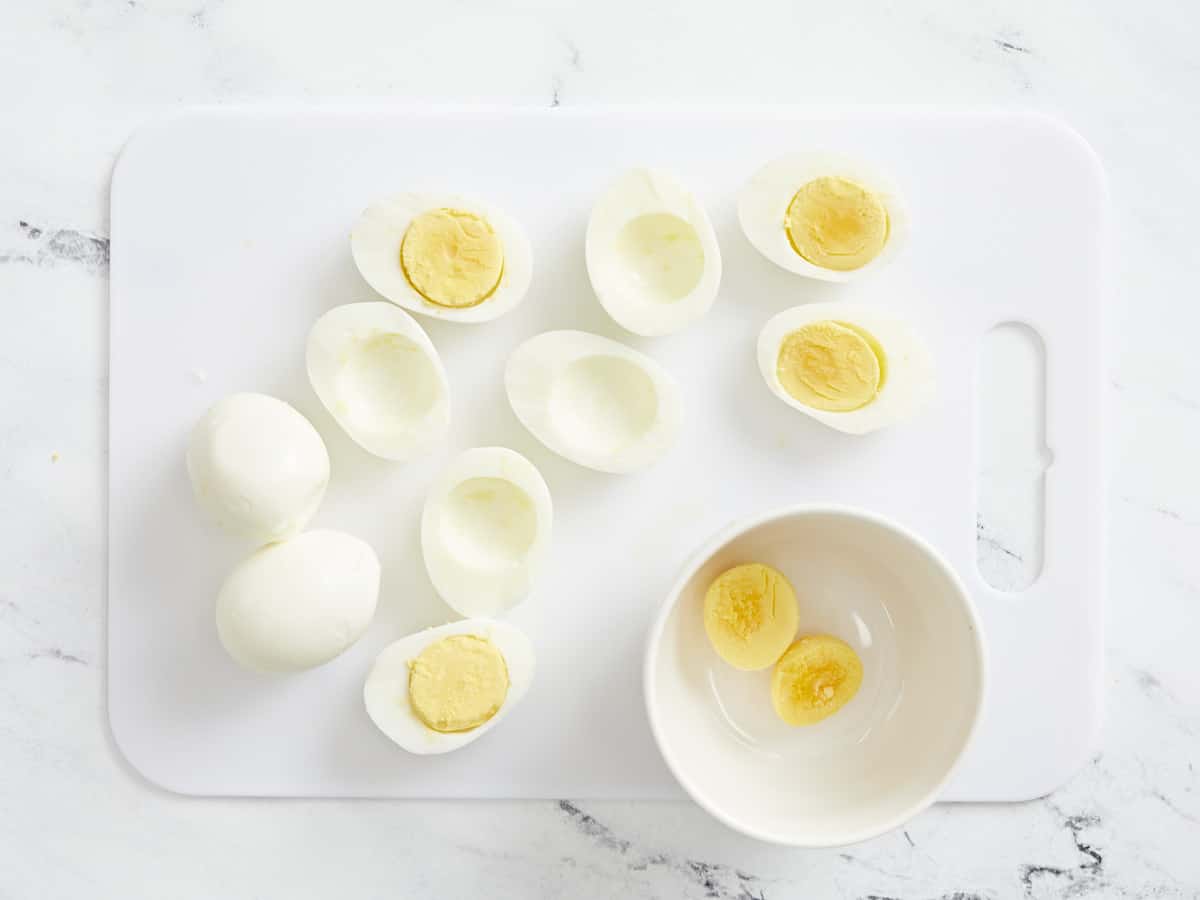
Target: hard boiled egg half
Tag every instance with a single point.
(485, 530)
(652, 255)
(257, 466)
(822, 216)
(846, 365)
(593, 400)
(443, 255)
(380, 377)
(442, 688)
(298, 603)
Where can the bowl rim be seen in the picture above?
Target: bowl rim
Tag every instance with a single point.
(697, 559)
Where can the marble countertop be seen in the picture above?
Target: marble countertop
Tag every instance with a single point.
(78, 76)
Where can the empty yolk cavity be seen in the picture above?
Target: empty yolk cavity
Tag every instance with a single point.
(817, 676)
(831, 366)
(452, 258)
(836, 224)
(457, 683)
(750, 615)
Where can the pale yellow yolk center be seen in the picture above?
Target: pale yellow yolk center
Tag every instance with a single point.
(745, 596)
(832, 366)
(452, 258)
(836, 224)
(458, 683)
(750, 615)
(817, 676)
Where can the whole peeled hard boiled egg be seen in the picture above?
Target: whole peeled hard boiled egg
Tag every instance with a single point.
(442, 688)
(593, 400)
(822, 216)
(380, 377)
(257, 466)
(485, 530)
(443, 255)
(652, 255)
(298, 603)
(846, 365)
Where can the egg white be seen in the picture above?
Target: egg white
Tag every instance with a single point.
(648, 284)
(375, 244)
(593, 400)
(485, 530)
(380, 377)
(298, 603)
(257, 467)
(764, 200)
(910, 382)
(386, 695)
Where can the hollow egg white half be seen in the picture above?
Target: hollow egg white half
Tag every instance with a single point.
(380, 377)
(257, 466)
(387, 691)
(652, 254)
(468, 242)
(485, 530)
(298, 603)
(593, 400)
(904, 368)
(765, 201)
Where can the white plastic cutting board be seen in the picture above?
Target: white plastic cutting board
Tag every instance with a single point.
(230, 236)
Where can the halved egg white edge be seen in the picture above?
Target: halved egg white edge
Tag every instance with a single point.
(529, 378)
(657, 191)
(385, 690)
(764, 199)
(911, 376)
(378, 261)
(323, 359)
(493, 592)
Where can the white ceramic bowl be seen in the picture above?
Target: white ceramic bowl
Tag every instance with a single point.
(879, 760)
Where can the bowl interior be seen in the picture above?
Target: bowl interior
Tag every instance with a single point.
(883, 756)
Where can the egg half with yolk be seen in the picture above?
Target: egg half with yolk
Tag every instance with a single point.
(846, 365)
(442, 688)
(822, 216)
(443, 255)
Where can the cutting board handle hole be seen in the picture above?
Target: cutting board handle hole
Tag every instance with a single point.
(1013, 459)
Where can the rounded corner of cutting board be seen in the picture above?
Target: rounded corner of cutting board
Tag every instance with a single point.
(132, 755)
(143, 141)
(1053, 779)
(1078, 156)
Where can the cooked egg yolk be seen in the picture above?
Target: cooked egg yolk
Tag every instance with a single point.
(836, 224)
(452, 258)
(458, 683)
(817, 676)
(750, 615)
(833, 366)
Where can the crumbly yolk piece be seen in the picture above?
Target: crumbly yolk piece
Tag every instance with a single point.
(750, 615)
(817, 676)
(836, 223)
(833, 366)
(452, 258)
(457, 683)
